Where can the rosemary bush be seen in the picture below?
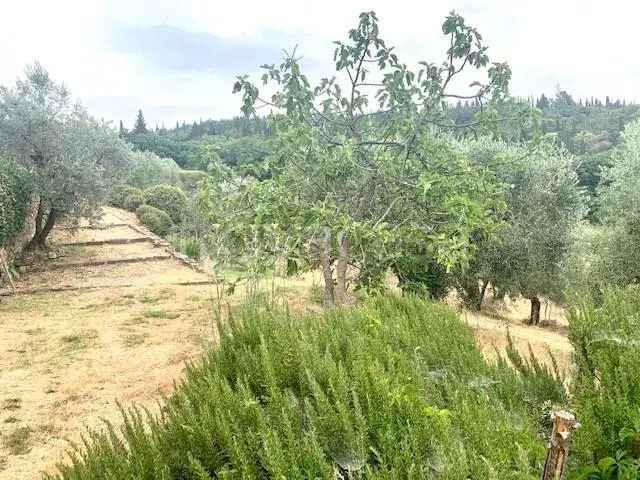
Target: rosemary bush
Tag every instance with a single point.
(395, 388)
(606, 386)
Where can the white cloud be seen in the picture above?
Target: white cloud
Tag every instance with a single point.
(586, 46)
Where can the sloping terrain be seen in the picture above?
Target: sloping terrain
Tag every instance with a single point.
(76, 338)
(114, 315)
(497, 320)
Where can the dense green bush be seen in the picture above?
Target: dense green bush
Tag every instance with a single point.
(149, 169)
(120, 193)
(393, 389)
(607, 377)
(133, 201)
(168, 199)
(156, 220)
(14, 199)
(190, 179)
(419, 274)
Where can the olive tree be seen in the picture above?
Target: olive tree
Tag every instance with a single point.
(71, 158)
(619, 211)
(544, 205)
(363, 170)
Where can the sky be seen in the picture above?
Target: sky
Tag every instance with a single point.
(177, 60)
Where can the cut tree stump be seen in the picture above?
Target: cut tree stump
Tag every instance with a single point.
(564, 423)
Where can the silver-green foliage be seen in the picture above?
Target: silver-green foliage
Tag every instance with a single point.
(72, 159)
(544, 206)
(120, 193)
(148, 169)
(620, 210)
(607, 252)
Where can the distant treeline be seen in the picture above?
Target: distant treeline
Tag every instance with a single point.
(583, 126)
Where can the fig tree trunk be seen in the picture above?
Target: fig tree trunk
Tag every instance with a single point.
(534, 317)
(325, 262)
(341, 269)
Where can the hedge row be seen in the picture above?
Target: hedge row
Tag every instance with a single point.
(158, 207)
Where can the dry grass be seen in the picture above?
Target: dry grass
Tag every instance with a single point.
(66, 357)
(18, 442)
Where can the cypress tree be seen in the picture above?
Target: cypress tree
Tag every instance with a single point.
(140, 125)
(122, 132)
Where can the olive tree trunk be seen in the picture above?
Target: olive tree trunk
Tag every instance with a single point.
(45, 221)
(534, 317)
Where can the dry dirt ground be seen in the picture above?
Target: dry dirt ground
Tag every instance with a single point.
(65, 357)
(122, 332)
(497, 319)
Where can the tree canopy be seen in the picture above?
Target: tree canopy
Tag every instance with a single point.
(363, 170)
(71, 158)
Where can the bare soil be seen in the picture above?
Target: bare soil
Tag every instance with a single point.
(499, 319)
(65, 358)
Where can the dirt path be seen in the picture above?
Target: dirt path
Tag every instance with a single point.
(119, 331)
(509, 318)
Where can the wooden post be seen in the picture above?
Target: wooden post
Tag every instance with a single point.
(558, 452)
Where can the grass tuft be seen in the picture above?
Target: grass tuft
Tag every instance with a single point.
(160, 313)
(18, 442)
(79, 341)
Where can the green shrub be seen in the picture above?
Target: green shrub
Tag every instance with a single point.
(189, 245)
(606, 382)
(190, 179)
(395, 388)
(133, 201)
(14, 199)
(149, 169)
(420, 275)
(121, 193)
(154, 219)
(168, 199)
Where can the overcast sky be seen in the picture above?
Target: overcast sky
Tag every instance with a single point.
(177, 59)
